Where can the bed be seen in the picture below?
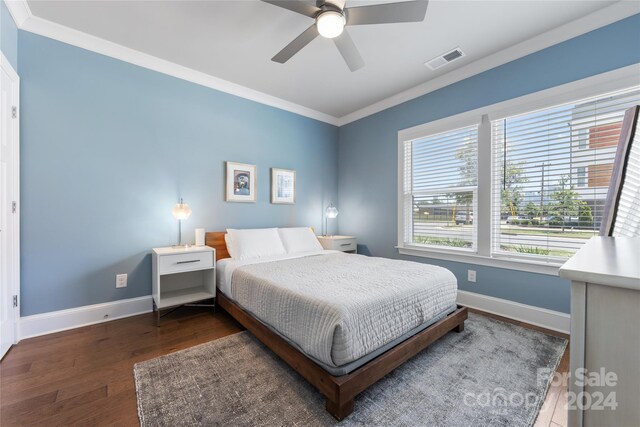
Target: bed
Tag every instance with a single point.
(341, 321)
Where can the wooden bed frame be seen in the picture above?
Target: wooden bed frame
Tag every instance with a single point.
(339, 391)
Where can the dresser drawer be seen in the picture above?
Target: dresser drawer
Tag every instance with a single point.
(340, 244)
(185, 262)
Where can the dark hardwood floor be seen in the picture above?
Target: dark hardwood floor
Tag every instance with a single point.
(85, 376)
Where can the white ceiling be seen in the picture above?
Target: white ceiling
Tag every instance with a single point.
(234, 41)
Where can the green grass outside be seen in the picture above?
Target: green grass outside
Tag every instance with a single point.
(523, 249)
(533, 250)
(549, 232)
(442, 241)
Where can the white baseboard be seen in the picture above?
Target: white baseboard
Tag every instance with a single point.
(537, 316)
(56, 321)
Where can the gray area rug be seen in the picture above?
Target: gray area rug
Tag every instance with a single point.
(486, 376)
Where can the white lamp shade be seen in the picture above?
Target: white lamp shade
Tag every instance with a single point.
(181, 210)
(330, 24)
(331, 211)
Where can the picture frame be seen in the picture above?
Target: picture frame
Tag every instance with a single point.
(241, 182)
(283, 186)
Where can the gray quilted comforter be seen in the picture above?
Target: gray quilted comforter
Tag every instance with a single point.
(338, 307)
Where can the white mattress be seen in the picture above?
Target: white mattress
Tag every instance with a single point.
(338, 308)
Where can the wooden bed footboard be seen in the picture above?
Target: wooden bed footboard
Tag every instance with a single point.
(341, 391)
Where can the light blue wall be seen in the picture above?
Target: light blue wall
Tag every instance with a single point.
(107, 149)
(8, 36)
(368, 150)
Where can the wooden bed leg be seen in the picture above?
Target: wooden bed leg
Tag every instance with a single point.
(339, 410)
(459, 328)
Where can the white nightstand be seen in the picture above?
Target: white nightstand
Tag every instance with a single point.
(339, 243)
(182, 276)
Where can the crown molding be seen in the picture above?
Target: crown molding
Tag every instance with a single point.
(597, 19)
(19, 10)
(25, 20)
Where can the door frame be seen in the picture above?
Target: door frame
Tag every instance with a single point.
(5, 65)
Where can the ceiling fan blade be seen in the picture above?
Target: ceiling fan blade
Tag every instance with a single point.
(349, 51)
(301, 7)
(296, 45)
(388, 13)
(338, 3)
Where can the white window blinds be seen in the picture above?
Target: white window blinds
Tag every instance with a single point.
(440, 189)
(551, 173)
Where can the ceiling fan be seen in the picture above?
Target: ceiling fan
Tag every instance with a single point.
(331, 16)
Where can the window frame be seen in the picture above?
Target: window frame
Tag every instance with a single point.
(597, 85)
(433, 129)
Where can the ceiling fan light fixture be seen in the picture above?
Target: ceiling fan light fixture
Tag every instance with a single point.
(330, 24)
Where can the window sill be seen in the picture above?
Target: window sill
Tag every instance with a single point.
(550, 269)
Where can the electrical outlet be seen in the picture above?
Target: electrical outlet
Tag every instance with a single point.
(471, 275)
(121, 280)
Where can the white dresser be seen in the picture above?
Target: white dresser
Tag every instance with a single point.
(605, 332)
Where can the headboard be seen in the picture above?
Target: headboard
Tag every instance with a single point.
(215, 239)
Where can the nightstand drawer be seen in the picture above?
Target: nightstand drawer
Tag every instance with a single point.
(348, 244)
(345, 245)
(185, 262)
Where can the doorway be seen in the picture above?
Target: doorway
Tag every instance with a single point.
(9, 205)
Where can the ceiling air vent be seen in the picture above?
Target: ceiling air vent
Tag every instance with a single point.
(445, 58)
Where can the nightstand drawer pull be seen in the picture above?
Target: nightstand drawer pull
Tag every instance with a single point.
(346, 244)
(188, 262)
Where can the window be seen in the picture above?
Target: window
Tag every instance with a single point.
(582, 176)
(520, 184)
(440, 189)
(549, 196)
(583, 138)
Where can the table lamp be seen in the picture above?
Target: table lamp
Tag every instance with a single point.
(330, 212)
(181, 211)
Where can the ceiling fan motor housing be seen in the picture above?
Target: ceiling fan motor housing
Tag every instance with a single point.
(330, 22)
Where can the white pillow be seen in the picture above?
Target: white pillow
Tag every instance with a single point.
(299, 239)
(256, 243)
(230, 248)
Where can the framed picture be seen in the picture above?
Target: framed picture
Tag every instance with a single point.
(241, 182)
(283, 186)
